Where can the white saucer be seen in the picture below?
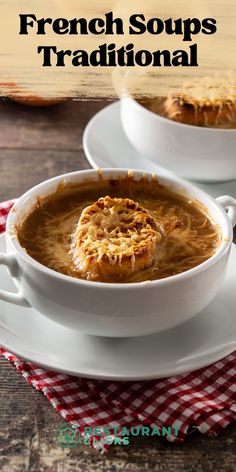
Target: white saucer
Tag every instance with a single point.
(106, 145)
(205, 339)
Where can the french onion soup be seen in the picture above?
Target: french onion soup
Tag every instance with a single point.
(206, 103)
(118, 230)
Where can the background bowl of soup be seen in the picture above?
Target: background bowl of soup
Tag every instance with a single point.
(117, 309)
(193, 152)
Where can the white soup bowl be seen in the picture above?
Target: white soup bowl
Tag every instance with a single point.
(192, 152)
(116, 309)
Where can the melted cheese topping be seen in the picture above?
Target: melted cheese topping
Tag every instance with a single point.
(206, 102)
(209, 91)
(114, 236)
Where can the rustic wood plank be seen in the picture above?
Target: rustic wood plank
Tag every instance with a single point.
(21, 169)
(58, 127)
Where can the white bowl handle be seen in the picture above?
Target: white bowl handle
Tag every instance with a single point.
(229, 204)
(10, 262)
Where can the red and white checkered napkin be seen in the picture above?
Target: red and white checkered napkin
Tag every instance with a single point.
(204, 399)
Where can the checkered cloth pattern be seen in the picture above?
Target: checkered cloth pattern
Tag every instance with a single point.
(204, 400)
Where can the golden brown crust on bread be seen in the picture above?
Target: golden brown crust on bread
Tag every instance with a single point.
(184, 110)
(114, 237)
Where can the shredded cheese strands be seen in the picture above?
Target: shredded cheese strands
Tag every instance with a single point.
(210, 101)
(209, 91)
(115, 237)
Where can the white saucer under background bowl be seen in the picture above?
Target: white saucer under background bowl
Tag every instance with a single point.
(106, 145)
(205, 339)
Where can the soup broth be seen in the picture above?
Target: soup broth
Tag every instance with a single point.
(168, 233)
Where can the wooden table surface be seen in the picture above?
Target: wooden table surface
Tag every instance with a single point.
(36, 144)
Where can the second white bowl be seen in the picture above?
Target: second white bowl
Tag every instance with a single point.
(192, 152)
